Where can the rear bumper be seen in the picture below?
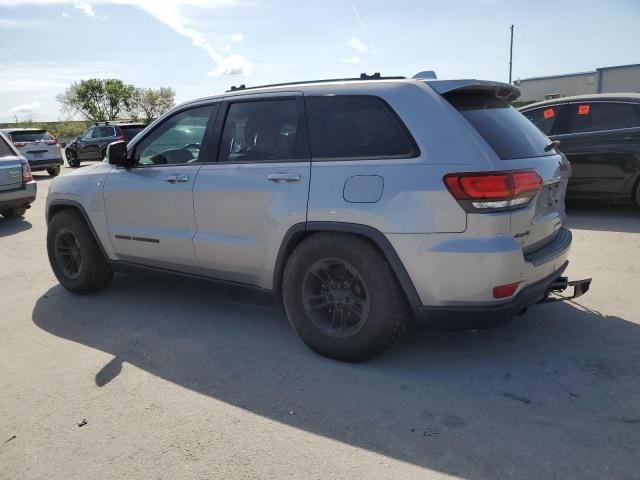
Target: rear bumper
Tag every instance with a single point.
(42, 164)
(20, 197)
(527, 297)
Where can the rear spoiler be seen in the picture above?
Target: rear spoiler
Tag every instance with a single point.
(502, 90)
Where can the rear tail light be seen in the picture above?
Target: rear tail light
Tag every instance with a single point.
(53, 141)
(20, 144)
(121, 136)
(26, 173)
(493, 191)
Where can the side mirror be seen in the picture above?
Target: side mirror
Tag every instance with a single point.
(117, 154)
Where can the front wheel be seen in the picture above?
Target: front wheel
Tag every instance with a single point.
(54, 171)
(74, 255)
(72, 158)
(342, 297)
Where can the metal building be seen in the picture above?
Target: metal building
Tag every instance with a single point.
(618, 79)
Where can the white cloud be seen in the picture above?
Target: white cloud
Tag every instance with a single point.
(237, 37)
(233, 65)
(351, 60)
(46, 76)
(26, 108)
(172, 14)
(65, 14)
(356, 44)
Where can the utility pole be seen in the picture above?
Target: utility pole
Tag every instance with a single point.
(510, 54)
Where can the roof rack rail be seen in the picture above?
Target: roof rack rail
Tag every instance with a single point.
(103, 123)
(363, 76)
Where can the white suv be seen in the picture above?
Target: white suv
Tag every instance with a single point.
(357, 203)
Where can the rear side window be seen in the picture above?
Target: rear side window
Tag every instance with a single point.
(5, 150)
(505, 129)
(31, 136)
(130, 132)
(347, 126)
(104, 132)
(544, 118)
(262, 131)
(597, 116)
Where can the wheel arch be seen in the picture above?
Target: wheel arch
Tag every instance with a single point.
(57, 206)
(377, 239)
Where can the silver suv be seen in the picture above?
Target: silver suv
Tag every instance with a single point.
(357, 203)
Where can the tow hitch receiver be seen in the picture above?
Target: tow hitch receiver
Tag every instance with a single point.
(580, 287)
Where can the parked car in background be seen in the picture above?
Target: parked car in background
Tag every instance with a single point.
(92, 144)
(39, 147)
(600, 135)
(433, 198)
(17, 187)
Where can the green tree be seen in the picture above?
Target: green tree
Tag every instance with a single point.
(98, 99)
(149, 103)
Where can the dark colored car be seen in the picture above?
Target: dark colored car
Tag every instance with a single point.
(600, 135)
(92, 144)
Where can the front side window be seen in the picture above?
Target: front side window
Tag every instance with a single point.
(598, 116)
(544, 118)
(176, 141)
(259, 131)
(88, 134)
(355, 126)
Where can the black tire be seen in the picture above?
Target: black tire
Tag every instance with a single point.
(54, 171)
(368, 335)
(11, 213)
(93, 272)
(636, 194)
(72, 158)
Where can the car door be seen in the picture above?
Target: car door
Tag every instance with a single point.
(149, 207)
(247, 200)
(601, 140)
(104, 136)
(84, 143)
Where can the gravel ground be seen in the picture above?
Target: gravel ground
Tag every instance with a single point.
(180, 379)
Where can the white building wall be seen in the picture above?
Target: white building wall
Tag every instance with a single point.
(537, 88)
(619, 79)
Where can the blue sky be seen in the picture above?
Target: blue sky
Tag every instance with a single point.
(201, 47)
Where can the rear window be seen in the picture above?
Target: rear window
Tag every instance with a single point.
(31, 136)
(354, 126)
(598, 116)
(505, 129)
(5, 150)
(544, 118)
(130, 132)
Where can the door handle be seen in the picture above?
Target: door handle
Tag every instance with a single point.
(176, 178)
(283, 177)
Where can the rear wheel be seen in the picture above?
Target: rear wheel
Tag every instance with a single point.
(636, 193)
(342, 297)
(74, 255)
(13, 212)
(54, 171)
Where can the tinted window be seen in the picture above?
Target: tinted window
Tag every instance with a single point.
(31, 136)
(130, 132)
(591, 117)
(262, 131)
(355, 127)
(544, 118)
(104, 132)
(177, 140)
(5, 150)
(88, 134)
(505, 129)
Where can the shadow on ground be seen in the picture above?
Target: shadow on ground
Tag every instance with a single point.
(556, 394)
(13, 226)
(603, 216)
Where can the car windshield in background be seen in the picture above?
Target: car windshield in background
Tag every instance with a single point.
(130, 132)
(507, 131)
(31, 136)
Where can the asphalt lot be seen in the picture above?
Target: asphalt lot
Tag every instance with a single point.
(180, 379)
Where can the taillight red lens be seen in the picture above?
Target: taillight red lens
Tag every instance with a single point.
(493, 190)
(20, 144)
(26, 173)
(504, 291)
(52, 142)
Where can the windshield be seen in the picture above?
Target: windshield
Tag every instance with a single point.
(507, 131)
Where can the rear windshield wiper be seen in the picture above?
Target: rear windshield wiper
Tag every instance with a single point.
(552, 145)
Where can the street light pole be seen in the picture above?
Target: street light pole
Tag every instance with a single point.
(511, 54)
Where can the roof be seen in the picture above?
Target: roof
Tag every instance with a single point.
(17, 129)
(122, 123)
(590, 72)
(440, 86)
(634, 97)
